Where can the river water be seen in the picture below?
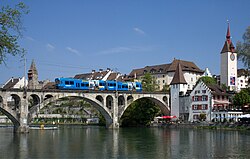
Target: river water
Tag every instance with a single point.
(98, 142)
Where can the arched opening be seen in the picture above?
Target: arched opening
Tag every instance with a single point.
(47, 96)
(121, 101)
(99, 98)
(130, 98)
(109, 102)
(14, 102)
(1, 101)
(165, 99)
(33, 100)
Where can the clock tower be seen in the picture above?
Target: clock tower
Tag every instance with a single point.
(228, 71)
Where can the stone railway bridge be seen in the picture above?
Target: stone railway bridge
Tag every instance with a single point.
(14, 103)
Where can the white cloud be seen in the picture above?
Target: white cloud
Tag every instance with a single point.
(139, 31)
(29, 38)
(121, 50)
(73, 50)
(50, 47)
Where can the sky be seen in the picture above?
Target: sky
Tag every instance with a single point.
(69, 37)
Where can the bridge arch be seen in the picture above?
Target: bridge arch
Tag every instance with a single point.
(161, 104)
(14, 104)
(93, 101)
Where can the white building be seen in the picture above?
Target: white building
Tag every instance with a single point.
(243, 79)
(17, 83)
(212, 102)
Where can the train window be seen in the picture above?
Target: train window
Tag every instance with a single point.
(67, 82)
(101, 84)
(82, 85)
(57, 81)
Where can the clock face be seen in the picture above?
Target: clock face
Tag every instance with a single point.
(232, 57)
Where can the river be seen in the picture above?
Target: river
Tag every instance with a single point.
(124, 143)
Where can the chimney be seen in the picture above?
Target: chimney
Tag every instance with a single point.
(100, 70)
(108, 69)
(93, 71)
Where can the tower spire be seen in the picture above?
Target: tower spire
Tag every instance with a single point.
(228, 46)
(228, 36)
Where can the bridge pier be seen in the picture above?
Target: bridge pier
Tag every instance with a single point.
(114, 122)
(21, 129)
(23, 119)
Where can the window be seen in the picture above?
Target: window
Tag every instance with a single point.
(71, 82)
(195, 116)
(203, 91)
(195, 107)
(67, 82)
(204, 106)
(196, 98)
(204, 98)
(163, 81)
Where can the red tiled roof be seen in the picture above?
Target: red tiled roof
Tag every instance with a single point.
(165, 68)
(178, 76)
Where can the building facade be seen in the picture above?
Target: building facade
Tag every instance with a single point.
(164, 73)
(211, 103)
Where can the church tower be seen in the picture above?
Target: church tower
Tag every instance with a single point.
(178, 87)
(228, 72)
(33, 77)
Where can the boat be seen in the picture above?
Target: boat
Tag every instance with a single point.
(42, 127)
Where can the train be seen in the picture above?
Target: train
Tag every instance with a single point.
(101, 85)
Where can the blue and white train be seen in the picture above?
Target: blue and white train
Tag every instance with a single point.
(79, 84)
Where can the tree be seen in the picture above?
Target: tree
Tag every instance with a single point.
(243, 48)
(207, 80)
(11, 30)
(149, 83)
(242, 98)
(140, 113)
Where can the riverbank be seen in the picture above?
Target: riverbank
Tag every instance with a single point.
(228, 126)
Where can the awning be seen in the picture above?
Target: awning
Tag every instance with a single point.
(221, 102)
(166, 117)
(244, 116)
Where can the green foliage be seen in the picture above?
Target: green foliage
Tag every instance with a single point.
(140, 113)
(11, 30)
(207, 80)
(202, 117)
(166, 88)
(149, 83)
(243, 48)
(242, 98)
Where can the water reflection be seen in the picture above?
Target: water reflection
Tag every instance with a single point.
(98, 142)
